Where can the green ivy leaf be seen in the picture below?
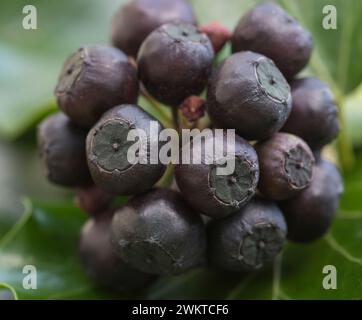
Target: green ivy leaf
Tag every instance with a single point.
(353, 109)
(351, 200)
(335, 56)
(46, 237)
(30, 60)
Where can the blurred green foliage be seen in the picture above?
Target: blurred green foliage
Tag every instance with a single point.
(46, 233)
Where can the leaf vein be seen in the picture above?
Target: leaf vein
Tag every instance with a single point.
(16, 228)
(342, 251)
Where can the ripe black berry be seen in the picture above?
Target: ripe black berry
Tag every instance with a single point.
(108, 146)
(100, 261)
(137, 19)
(314, 114)
(207, 191)
(286, 166)
(248, 239)
(309, 215)
(175, 62)
(158, 233)
(93, 80)
(269, 30)
(248, 93)
(62, 149)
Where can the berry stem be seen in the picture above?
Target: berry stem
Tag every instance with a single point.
(167, 178)
(176, 119)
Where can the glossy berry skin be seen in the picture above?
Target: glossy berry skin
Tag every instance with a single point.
(286, 166)
(159, 233)
(269, 30)
(217, 195)
(248, 239)
(314, 115)
(62, 150)
(175, 62)
(310, 214)
(108, 146)
(93, 80)
(137, 19)
(248, 93)
(100, 261)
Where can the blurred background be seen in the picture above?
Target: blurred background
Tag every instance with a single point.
(38, 221)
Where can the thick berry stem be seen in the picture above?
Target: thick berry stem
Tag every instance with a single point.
(176, 119)
(163, 116)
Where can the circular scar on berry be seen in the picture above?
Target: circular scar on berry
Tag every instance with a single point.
(248, 239)
(93, 80)
(310, 214)
(175, 62)
(286, 166)
(272, 81)
(71, 72)
(233, 189)
(110, 145)
(209, 190)
(249, 94)
(108, 149)
(298, 167)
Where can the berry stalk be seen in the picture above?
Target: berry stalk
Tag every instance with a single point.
(163, 115)
(176, 120)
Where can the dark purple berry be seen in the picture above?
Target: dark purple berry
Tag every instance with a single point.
(269, 30)
(310, 214)
(107, 151)
(286, 166)
(137, 19)
(100, 261)
(159, 233)
(62, 150)
(248, 239)
(175, 62)
(248, 93)
(94, 80)
(93, 200)
(314, 115)
(208, 192)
